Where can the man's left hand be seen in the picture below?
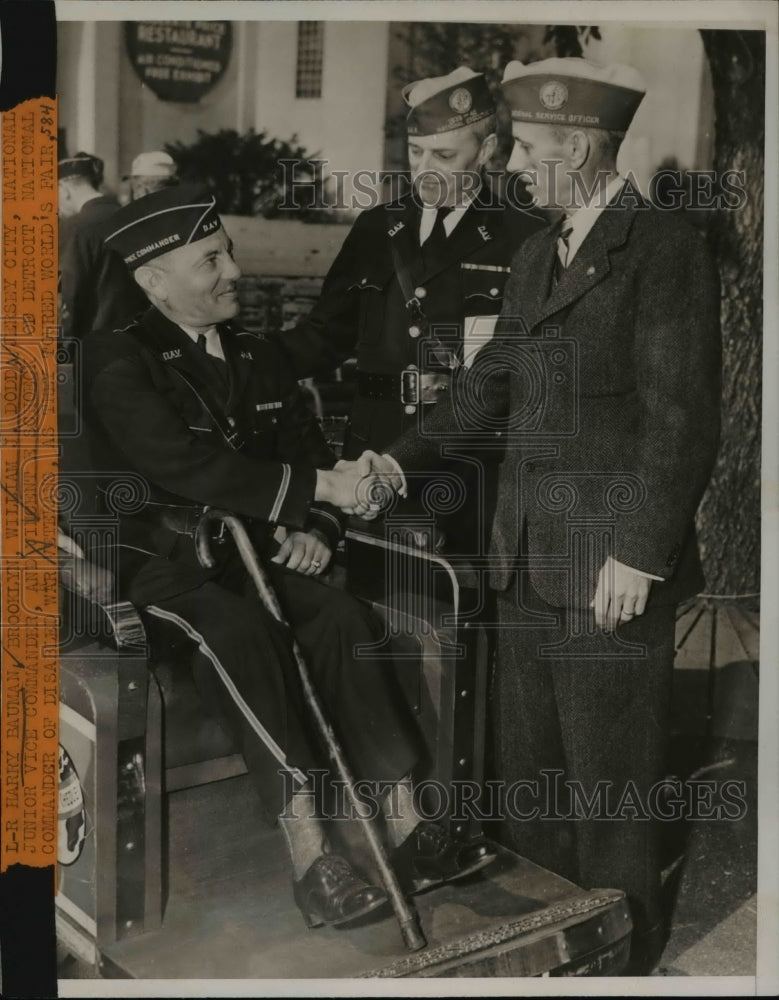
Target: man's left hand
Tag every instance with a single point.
(306, 552)
(621, 595)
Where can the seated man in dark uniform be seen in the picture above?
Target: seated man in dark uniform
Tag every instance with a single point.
(202, 413)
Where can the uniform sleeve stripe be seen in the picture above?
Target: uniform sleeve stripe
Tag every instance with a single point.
(286, 476)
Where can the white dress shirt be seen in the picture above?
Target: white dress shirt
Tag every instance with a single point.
(450, 220)
(213, 340)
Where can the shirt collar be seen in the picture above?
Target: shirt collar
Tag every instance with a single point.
(583, 219)
(213, 340)
(450, 221)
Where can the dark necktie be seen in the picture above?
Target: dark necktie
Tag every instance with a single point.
(561, 255)
(218, 366)
(434, 245)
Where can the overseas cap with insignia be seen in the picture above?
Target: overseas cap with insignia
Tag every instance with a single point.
(444, 103)
(162, 221)
(573, 92)
(81, 165)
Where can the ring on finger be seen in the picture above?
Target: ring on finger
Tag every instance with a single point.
(316, 563)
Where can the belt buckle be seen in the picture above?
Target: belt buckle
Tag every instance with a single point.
(409, 387)
(432, 385)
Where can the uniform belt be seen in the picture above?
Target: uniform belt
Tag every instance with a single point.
(410, 386)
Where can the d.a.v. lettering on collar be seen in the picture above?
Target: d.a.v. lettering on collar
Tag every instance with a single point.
(170, 355)
(396, 228)
(484, 233)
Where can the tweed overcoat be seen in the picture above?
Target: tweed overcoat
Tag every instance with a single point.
(605, 385)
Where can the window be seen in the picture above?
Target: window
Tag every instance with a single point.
(311, 39)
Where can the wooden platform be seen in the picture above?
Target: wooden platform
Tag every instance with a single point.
(230, 913)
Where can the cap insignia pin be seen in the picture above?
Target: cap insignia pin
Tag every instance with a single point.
(553, 94)
(460, 100)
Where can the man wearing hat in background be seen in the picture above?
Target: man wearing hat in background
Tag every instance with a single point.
(210, 415)
(151, 172)
(96, 292)
(419, 282)
(609, 450)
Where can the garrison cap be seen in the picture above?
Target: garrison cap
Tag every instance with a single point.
(444, 103)
(573, 91)
(81, 165)
(156, 163)
(162, 221)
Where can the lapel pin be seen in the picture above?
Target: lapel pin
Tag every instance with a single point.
(590, 271)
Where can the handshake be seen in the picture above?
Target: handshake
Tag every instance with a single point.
(364, 487)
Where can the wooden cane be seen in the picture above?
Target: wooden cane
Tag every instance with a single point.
(407, 918)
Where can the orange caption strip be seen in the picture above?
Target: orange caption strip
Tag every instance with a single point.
(29, 773)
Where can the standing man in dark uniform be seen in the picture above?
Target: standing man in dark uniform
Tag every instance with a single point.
(96, 291)
(604, 378)
(201, 413)
(418, 284)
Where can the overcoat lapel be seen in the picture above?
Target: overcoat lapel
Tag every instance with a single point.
(588, 268)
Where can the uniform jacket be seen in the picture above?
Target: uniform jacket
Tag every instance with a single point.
(606, 388)
(157, 409)
(97, 290)
(361, 311)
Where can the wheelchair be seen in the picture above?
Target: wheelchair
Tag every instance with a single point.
(164, 868)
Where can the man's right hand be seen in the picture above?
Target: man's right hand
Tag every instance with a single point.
(363, 487)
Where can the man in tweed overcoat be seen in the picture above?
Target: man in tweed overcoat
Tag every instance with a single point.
(603, 378)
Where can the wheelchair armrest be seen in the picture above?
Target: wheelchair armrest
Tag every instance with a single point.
(421, 541)
(367, 555)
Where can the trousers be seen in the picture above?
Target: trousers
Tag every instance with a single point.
(242, 664)
(580, 728)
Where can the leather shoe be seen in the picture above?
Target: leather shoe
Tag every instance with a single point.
(430, 855)
(332, 893)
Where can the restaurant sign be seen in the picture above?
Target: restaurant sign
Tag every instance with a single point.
(179, 60)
